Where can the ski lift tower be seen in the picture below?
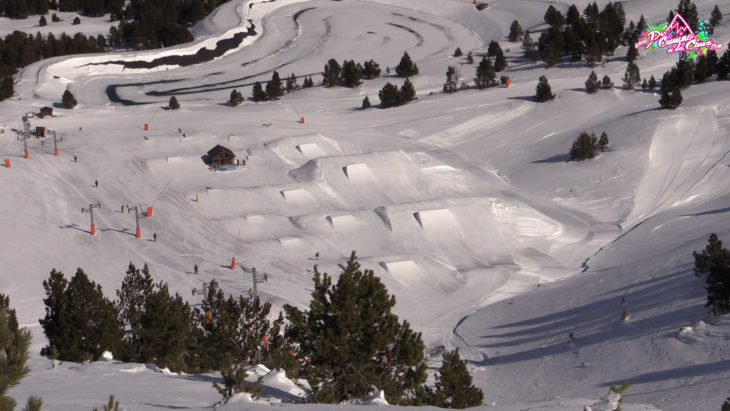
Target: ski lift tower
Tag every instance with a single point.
(136, 209)
(256, 279)
(90, 210)
(26, 132)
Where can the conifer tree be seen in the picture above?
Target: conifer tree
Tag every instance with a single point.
(554, 18)
(594, 52)
(351, 73)
(632, 76)
(515, 32)
(365, 103)
(275, 88)
(407, 92)
(68, 100)
(671, 101)
(543, 92)
(591, 13)
(55, 18)
(500, 63)
(723, 66)
(715, 17)
(652, 82)
(603, 142)
(644, 85)
(458, 52)
(6, 87)
(331, 75)
(592, 84)
(551, 45)
(702, 69)
(688, 10)
(406, 67)
(529, 48)
(451, 85)
(291, 83)
(389, 96)
(371, 70)
(454, 388)
(572, 17)
(80, 322)
(606, 82)
(470, 57)
(352, 342)
(258, 93)
(234, 381)
(584, 147)
(493, 49)
(111, 405)
(173, 104)
(485, 76)
(632, 53)
(714, 264)
(236, 98)
(14, 345)
(43, 22)
(136, 289)
(726, 404)
(641, 25)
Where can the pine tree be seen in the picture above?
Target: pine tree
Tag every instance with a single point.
(584, 147)
(591, 13)
(592, 84)
(500, 63)
(652, 82)
(632, 76)
(406, 67)
(6, 87)
(275, 88)
(688, 10)
(551, 45)
(451, 85)
(641, 25)
(331, 74)
(485, 76)
(136, 289)
(234, 381)
(470, 57)
(258, 93)
(14, 345)
(80, 323)
(594, 52)
(458, 52)
(389, 96)
(291, 83)
(355, 314)
(603, 142)
(407, 92)
(606, 82)
(515, 32)
(702, 69)
(55, 18)
(671, 101)
(530, 51)
(644, 85)
(454, 388)
(351, 74)
(111, 405)
(236, 98)
(714, 265)
(553, 17)
(493, 49)
(723, 66)
(371, 70)
(43, 22)
(715, 17)
(76, 21)
(543, 92)
(726, 405)
(68, 100)
(173, 104)
(572, 17)
(632, 54)
(365, 103)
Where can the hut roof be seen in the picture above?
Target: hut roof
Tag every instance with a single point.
(220, 150)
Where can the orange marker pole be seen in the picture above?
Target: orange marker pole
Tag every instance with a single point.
(7, 163)
(26, 154)
(146, 127)
(149, 211)
(139, 233)
(233, 263)
(93, 229)
(301, 120)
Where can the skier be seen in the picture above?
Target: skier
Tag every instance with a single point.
(122, 207)
(154, 236)
(196, 269)
(74, 159)
(96, 183)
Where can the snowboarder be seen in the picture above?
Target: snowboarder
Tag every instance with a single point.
(195, 268)
(96, 183)
(122, 207)
(74, 159)
(154, 236)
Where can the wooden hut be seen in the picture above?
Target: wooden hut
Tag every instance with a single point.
(46, 111)
(40, 131)
(221, 156)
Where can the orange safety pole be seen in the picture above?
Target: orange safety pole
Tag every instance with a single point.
(301, 120)
(55, 152)
(146, 127)
(508, 82)
(26, 154)
(7, 163)
(139, 233)
(149, 211)
(93, 229)
(233, 263)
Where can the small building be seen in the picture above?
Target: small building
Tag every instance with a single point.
(40, 131)
(46, 111)
(221, 156)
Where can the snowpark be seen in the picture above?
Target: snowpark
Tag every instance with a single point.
(464, 204)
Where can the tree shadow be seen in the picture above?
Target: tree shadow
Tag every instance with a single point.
(523, 98)
(558, 158)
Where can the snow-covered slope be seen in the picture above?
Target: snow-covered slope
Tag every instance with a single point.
(463, 204)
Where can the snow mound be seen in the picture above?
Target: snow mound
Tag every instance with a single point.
(346, 221)
(441, 218)
(357, 173)
(106, 356)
